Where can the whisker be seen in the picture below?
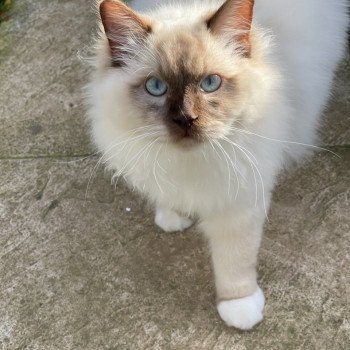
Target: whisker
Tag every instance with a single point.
(242, 149)
(113, 144)
(98, 164)
(214, 149)
(248, 132)
(227, 164)
(233, 149)
(139, 155)
(136, 138)
(251, 167)
(155, 171)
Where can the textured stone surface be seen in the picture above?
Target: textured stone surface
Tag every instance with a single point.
(41, 78)
(82, 266)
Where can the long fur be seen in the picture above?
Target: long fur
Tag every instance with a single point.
(283, 90)
(301, 43)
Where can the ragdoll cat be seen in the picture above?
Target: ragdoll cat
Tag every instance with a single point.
(199, 104)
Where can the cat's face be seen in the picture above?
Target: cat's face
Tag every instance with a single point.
(183, 81)
(186, 92)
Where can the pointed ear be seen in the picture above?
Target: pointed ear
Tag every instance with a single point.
(235, 16)
(122, 25)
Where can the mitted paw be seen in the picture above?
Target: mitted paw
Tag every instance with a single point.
(170, 221)
(243, 313)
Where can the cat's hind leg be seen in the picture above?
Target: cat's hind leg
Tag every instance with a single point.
(170, 221)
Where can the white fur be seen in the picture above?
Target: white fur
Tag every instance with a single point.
(298, 45)
(170, 221)
(300, 53)
(243, 313)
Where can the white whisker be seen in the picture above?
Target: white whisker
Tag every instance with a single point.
(155, 171)
(112, 146)
(232, 144)
(247, 132)
(244, 151)
(228, 158)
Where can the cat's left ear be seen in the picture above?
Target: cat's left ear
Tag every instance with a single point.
(234, 17)
(122, 25)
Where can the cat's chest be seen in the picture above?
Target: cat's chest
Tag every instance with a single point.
(198, 183)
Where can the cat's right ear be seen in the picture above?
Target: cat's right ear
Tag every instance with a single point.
(122, 26)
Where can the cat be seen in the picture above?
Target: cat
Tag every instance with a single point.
(200, 104)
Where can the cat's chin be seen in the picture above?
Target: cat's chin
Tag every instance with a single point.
(187, 142)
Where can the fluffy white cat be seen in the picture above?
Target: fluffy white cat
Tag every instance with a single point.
(199, 104)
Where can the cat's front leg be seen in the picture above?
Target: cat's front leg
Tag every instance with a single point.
(170, 221)
(234, 241)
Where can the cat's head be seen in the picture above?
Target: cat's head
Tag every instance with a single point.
(184, 76)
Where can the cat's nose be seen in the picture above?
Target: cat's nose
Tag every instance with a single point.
(185, 121)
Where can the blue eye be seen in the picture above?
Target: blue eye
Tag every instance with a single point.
(211, 83)
(156, 87)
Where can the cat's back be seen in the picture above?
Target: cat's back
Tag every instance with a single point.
(306, 28)
(309, 41)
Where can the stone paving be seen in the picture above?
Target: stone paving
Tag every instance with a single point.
(84, 267)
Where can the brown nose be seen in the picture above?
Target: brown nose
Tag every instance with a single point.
(185, 121)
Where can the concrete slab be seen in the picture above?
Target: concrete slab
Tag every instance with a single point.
(41, 78)
(84, 267)
(335, 129)
(96, 273)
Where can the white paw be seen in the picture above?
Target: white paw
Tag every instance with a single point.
(243, 313)
(170, 221)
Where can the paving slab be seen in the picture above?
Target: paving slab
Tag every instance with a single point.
(82, 265)
(43, 67)
(335, 128)
(89, 269)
